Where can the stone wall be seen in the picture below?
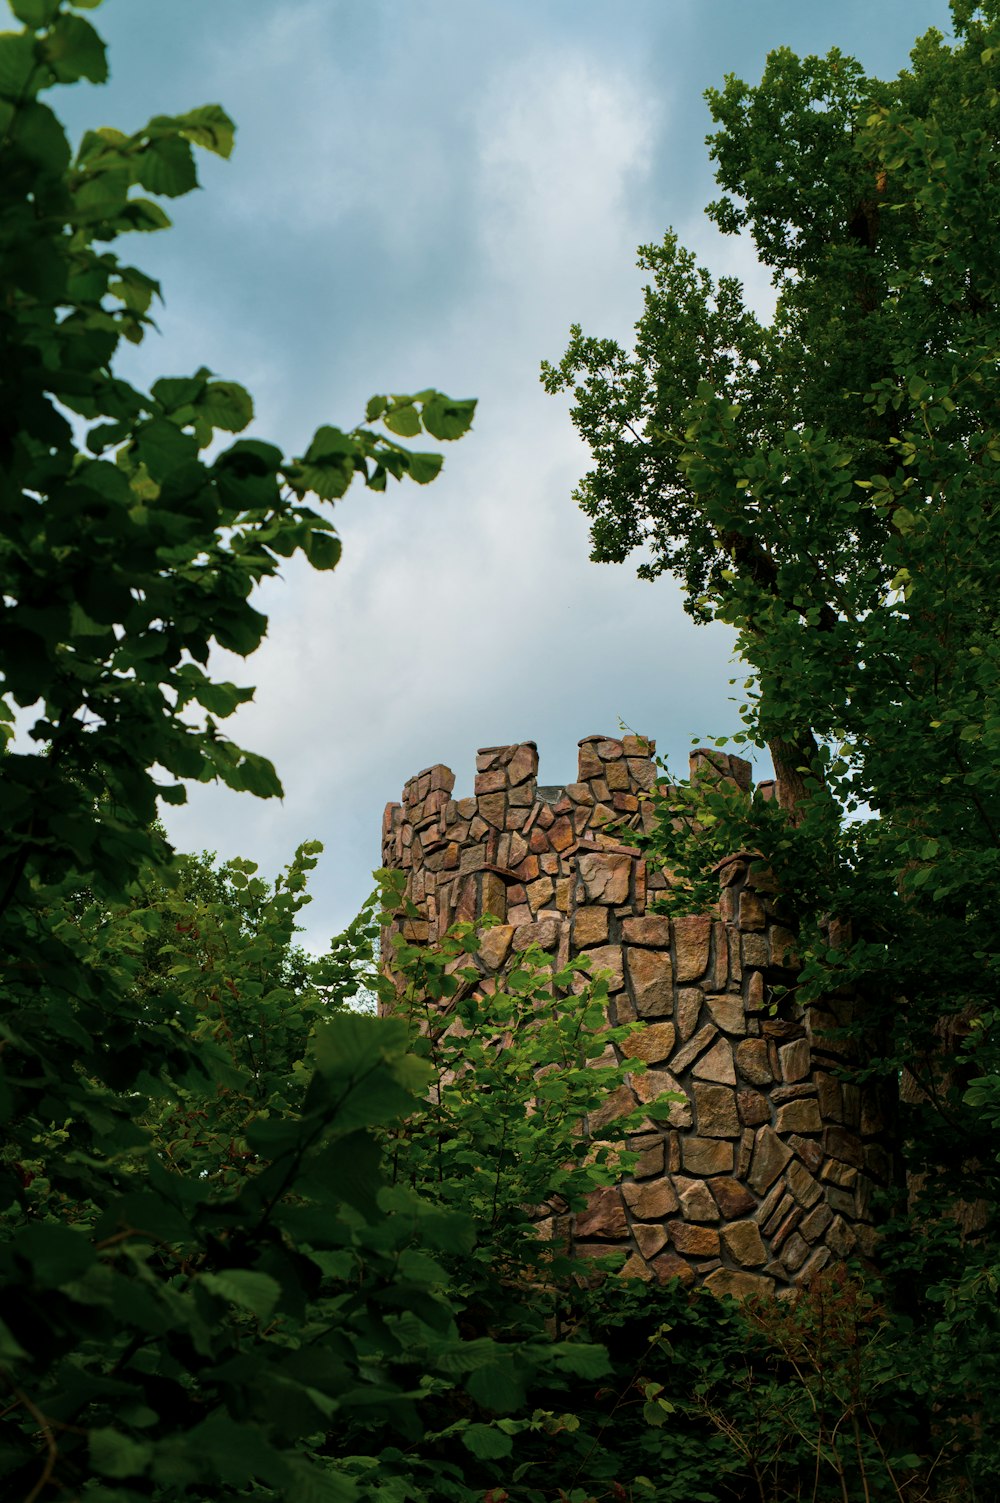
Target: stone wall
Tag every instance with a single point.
(764, 1174)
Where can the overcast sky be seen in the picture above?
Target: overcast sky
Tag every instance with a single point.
(429, 195)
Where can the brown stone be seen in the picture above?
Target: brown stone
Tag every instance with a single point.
(752, 915)
(798, 1116)
(716, 1109)
(491, 782)
(669, 1266)
(651, 929)
(769, 1158)
(816, 1223)
(616, 776)
(494, 945)
(689, 1000)
(795, 1253)
(618, 1104)
(695, 1241)
(691, 937)
(817, 1261)
(604, 1216)
(561, 835)
(695, 1046)
(783, 947)
(785, 1229)
(737, 1284)
(754, 952)
(563, 893)
(651, 1084)
(590, 927)
(831, 1104)
(843, 1145)
(493, 899)
(540, 892)
(802, 1185)
(734, 1199)
(580, 793)
(717, 1064)
(649, 1239)
(652, 1042)
(752, 1061)
(753, 1108)
(651, 1201)
(492, 808)
(754, 992)
(742, 1242)
(795, 1060)
(607, 958)
(649, 973)
(696, 1200)
(544, 934)
(808, 1151)
(651, 1157)
(538, 841)
(605, 876)
(727, 1013)
(523, 764)
(839, 1238)
(636, 1267)
(528, 869)
(707, 1155)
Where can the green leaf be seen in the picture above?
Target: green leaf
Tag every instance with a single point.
(54, 1253)
(447, 419)
(257, 1292)
(227, 405)
(17, 63)
(166, 165)
(486, 1443)
(74, 50)
(116, 1455)
(425, 467)
(402, 418)
(210, 127)
(35, 13)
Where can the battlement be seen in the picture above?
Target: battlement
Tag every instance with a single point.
(764, 1173)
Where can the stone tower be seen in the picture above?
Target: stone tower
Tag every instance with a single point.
(764, 1174)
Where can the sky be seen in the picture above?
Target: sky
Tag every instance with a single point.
(429, 195)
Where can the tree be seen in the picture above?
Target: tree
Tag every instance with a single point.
(826, 483)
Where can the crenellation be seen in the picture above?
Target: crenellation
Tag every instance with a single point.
(765, 1171)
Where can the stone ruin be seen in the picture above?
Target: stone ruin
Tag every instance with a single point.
(765, 1173)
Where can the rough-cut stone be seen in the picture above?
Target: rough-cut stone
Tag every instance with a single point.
(752, 914)
(691, 939)
(607, 960)
(733, 1198)
(738, 1284)
(669, 1266)
(694, 1241)
(769, 1158)
(802, 1185)
(754, 951)
(843, 1145)
(653, 929)
(604, 1216)
(742, 1242)
(815, 1224)
(839, 1238)
(650, 976)
(494, 945)
(707, 1155)
(689, 1000)
(795, 1252)
(795, 1060)
(539, 893)
(544, 934)
(717, 1064)
(649, 1239)
(753, 1108)
(752, 1061)
(798, 1116)
(650, 1202)
(651, 1157)
(605, 876)
(653, 1083)
(716, 1111)
(652, 1042)
(808, 1151)
(636, 1267)
(686, 1055)
(695, 1199)
(727, 1013)
(617, 1104)
(590, 927)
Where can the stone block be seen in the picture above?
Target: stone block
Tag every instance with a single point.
(839, 1238)
(753, 1062)
(831, 1104)
(539, 893)
(802, 1185)
(544, 934)
(696, 1200)
(651, 929)
(494, 945)
(669, 1266)
(649, 972)
(693, 1241)
(653, 1083)
(617, 778)
(604, 1215)
(815, 1224)
(795, 1060)
(706, 1155)
(561, 835)
(492, 808)
(493, 896)
(813, 1265)
(795, 1252)
(733, 1198)
(843, 1145)
(689, 1000)
(737, 1284)
(642, 773)
(784, 1230)
(754, 990)
(615, 1105)
(691, 942)
(752, 914)
(686, 1055)
(651, 1158)
(649, 1239)
(728, 1014)
(798, 1116)
(590, 927)
(649, 1202)
(653, 1042)
(605, 876)
(716, 1111)
(754, 952)
(753, 1108)
(636, 1267)
(523, 764)
(605, 958)
(717, 1064)
(494, 781)
(742, 1242)
(770, 1156)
